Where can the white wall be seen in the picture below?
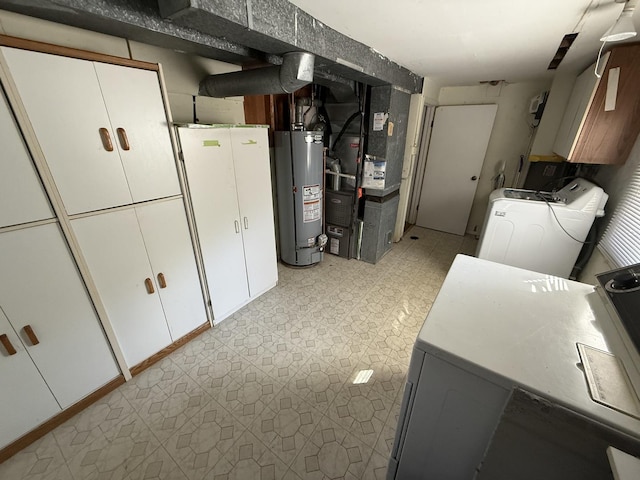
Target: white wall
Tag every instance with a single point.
(510, 136)
(614, 180)
(182, 72)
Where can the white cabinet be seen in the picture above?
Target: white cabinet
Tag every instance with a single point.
(142, 262)
(22, 198)
(581, 95)
(102, 129)
(47, 316)
(229, 181)
(25, 398)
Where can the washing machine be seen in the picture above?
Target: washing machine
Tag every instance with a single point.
(540, 231)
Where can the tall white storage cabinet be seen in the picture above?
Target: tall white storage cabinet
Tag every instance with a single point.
(142, 261)
(229, 180)
(102, 133)
(101, 127)
(53, 351)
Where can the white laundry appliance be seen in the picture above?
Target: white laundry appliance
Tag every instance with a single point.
(521, 375)
(540, 231)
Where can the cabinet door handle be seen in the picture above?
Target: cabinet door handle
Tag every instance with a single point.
(237, 226)
(122, 136)
(31, 335)
(162, 281)
(149, 284)
(6, 343)
(106, 139)
(246, 223)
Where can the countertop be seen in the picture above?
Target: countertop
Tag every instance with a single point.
(520, 328)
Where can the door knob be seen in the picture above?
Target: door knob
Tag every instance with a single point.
(474, 178)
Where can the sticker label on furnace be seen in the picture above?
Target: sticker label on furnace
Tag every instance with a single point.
(311, 203)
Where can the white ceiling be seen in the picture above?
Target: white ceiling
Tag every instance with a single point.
(462, 42)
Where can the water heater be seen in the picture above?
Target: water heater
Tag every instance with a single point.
(299, 179)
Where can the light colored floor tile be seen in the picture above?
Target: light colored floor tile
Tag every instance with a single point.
(268, 393)
(318, 383)
(331, 452)
(115, 457)
(247, 397)
(286, 424)
(93, 423)
(166, 412)
(157, 466)
(361, 408)
(41, 460)
(201, 443)
(248, 458)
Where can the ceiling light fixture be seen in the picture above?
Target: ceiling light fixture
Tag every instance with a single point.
(623, 29)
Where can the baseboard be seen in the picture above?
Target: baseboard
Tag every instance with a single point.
(155, 358)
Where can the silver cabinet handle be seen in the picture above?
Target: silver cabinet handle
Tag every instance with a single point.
(237, 226)
(246, 223)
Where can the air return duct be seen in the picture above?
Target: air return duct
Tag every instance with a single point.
(295, 72)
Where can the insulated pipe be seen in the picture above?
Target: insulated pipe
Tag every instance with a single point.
(295, 72)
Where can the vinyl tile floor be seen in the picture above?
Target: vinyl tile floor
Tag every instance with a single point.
(305, 382)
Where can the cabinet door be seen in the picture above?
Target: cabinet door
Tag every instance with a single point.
(40, 287)
(209, 164)
(253, 180)
(166, 237)
(26, 401)
(114, 250)
(135, 105)
(22, 198)
(66, 110)
(612, 123)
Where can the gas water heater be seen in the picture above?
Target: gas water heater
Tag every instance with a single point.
(300, 180)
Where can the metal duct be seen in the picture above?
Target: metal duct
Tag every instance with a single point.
(295, 72)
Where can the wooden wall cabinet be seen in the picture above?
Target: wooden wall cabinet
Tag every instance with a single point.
(602, 120)
(229, 180)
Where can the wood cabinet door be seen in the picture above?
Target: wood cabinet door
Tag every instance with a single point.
(67, 112)
(40, 287)
(210, 175)
(612, 124)
(114, 250)
(253, 180)
(139, 122)
(22, 198)
(168, 243)
(25, 398)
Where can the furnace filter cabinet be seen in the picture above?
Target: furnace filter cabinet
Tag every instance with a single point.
(299, 179)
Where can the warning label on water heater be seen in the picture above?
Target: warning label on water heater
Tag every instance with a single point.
(311, 203)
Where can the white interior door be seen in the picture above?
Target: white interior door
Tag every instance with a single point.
(115, 252)
(458, 146)
(22, 198)
(135, 105)
(166, 237)
(25, 398)
(211, 178)
(40, 287)
(67, 112)
(253, 179)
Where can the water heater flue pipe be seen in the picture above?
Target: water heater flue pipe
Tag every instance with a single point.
(295, 72)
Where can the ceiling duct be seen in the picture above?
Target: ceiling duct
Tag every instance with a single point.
(295, 72)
